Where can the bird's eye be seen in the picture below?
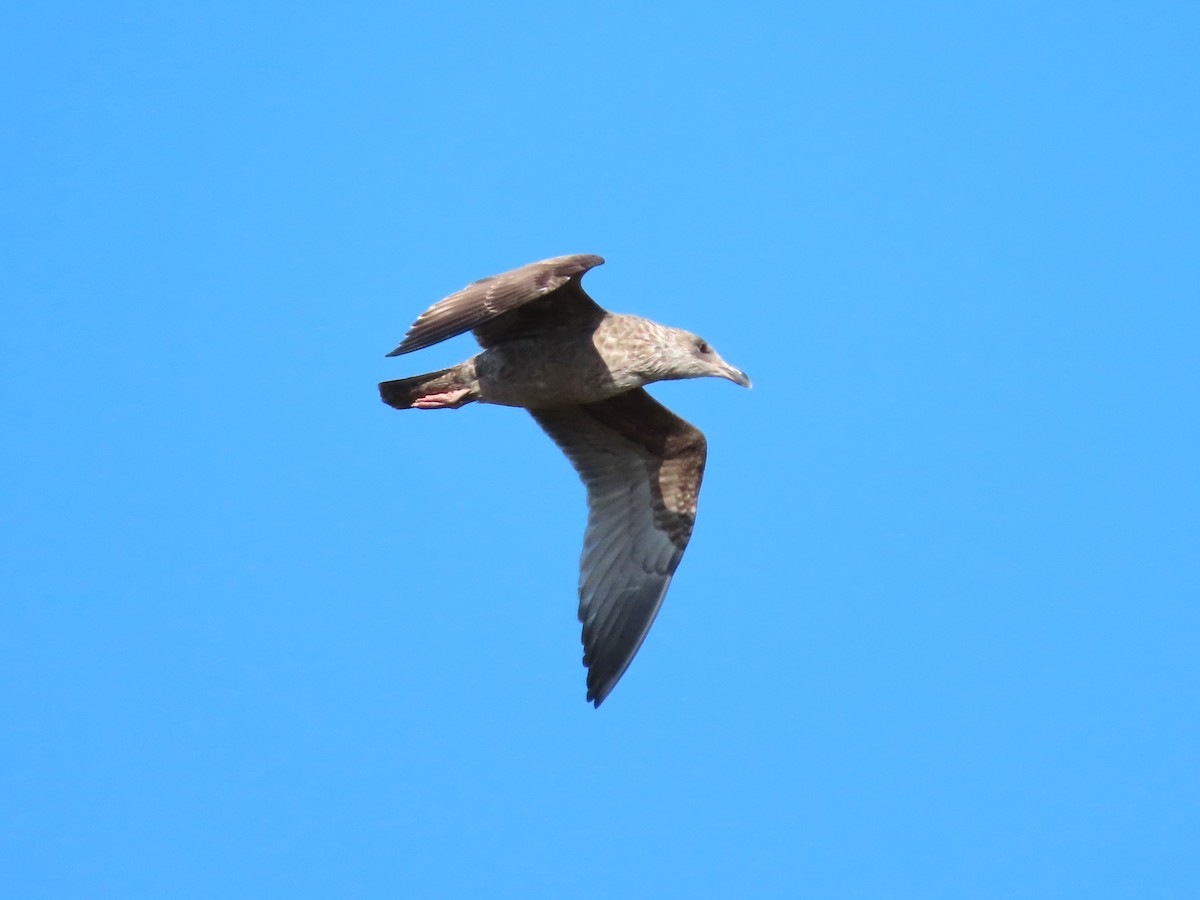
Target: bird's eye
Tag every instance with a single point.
(702, 347)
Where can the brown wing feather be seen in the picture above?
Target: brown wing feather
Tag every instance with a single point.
(549, 289)
(642, 466)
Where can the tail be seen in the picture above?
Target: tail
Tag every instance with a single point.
(404, 392)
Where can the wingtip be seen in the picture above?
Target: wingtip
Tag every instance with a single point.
(598, 694)
(580, 262)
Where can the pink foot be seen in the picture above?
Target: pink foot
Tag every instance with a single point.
(445, 400)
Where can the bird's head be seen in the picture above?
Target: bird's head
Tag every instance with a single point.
(686, 355)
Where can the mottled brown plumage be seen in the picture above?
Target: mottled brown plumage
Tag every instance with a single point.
(579, 370)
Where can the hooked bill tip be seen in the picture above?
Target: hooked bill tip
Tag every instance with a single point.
(737, 376)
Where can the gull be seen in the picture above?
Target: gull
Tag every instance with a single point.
(580, 371)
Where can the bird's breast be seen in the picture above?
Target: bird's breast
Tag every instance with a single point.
(547, 373)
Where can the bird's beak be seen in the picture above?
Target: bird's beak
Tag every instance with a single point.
(737, 376)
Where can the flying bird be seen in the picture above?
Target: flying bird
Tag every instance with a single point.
(579, 370)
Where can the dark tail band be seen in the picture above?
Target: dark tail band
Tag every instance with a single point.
(402, 392)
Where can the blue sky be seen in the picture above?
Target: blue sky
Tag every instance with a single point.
(936, 632)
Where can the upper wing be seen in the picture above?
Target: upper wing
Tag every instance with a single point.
(642, 466)
(483, 305)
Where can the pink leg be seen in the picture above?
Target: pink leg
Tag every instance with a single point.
(444, 400)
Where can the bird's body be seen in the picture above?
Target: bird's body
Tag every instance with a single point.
(579, 370)
(563, 366)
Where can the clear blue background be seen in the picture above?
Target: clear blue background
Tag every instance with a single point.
(937, 633)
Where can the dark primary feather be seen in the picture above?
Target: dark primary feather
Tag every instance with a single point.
(502, 306)
(642, 466)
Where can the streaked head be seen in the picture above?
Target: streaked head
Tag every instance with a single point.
(685, 355)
